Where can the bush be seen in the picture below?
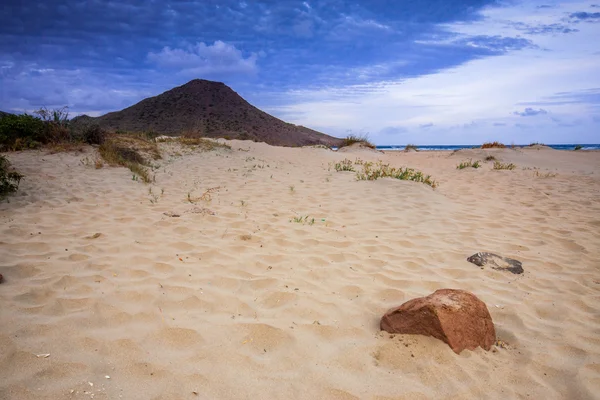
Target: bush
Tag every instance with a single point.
(490, 158)
(411, 147)
(9, 179)
(492, 145)
(578, 147)
(19, 132)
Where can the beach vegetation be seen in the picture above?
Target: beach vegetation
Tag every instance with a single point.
(578, 147)
(490, 158)
(127, 151)
(354, 139)
(373, 171)
(303, 220)
(47, 127)
(344, 165)
(493, 145)
(411, 147)
(469, 164)
(537, 174)
(9, 178)
(498, 165)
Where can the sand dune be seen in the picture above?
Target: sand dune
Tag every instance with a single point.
(233, 299)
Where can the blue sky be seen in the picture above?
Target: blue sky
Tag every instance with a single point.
(426, 72)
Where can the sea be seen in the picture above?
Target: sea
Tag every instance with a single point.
(432, 147)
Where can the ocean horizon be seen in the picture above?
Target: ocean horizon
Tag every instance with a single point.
(452, 147)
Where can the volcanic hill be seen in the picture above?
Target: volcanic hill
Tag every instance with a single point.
(210, 109)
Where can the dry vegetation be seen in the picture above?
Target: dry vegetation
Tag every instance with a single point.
(493, 145)
(354, 139)
(9, 178)
(498, 165)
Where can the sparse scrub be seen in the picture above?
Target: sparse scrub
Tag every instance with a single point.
(493, 145)
(537, 174)
(353, 139)
(125, 151)
(373, 172)
(469, 164)
(292, 188)
(578, 147)
(536, 144)
(344, 165)
(498, 165)
(9, 178)
(490, 158)
(410, 147)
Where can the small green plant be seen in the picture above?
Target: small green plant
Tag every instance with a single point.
(469, 164)
(292, 188)
(490, 158)
(498, 165)
(9, 178)
(410, 147)
(344, 165)
(303, 220)
(243, 203)
(536, 144)
(578, 147)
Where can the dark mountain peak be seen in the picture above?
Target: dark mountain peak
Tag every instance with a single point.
(210, 109)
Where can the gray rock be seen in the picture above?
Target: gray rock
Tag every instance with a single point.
(497, 262)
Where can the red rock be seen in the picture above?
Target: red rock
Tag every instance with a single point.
(456, 317)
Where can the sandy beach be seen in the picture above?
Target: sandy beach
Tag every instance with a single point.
(262, 273)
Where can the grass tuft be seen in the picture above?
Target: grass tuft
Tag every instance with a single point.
(353, 139)
(498, 165)
(411, 147)
(469, 164)
(578, 147)
(125, 151)
(490, 158)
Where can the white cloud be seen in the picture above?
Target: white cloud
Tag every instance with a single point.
(201, 59)
(484, 91)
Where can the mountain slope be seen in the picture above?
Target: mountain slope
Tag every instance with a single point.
(211, 109)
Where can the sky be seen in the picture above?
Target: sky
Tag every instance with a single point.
(424, 72)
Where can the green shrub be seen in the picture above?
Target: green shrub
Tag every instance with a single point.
(411, 147)
(490, 158)
(9, 179)
(578, 147)
(20, 132)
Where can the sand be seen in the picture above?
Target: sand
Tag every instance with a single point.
(106, 297)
